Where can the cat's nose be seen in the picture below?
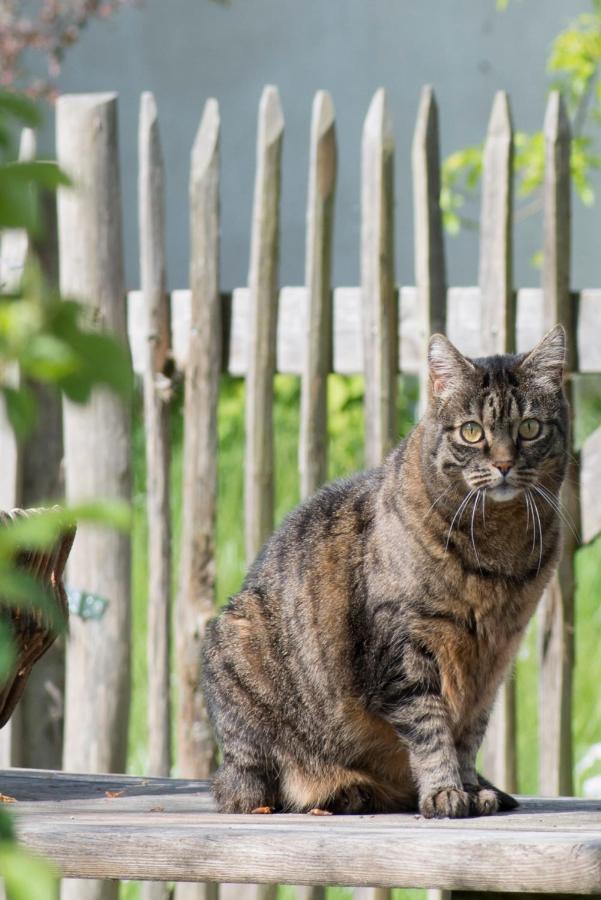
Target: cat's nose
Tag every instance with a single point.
(504, 466)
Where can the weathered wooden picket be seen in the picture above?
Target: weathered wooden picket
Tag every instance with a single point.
(376, 329)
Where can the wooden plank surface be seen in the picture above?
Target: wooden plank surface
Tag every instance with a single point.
(196, 598)
(157, 395)
(463, 316)
(97, 440)
(379, 314)
(168, 830)
(313, 444)
(556, 618)
(262, 324)
(497, 335)
(430, 267)
(157, 391)
(590, 488)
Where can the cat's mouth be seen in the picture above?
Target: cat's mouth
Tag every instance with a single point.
(503, 492)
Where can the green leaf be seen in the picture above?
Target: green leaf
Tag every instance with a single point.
(21, 409)
(27, 876)
(8, 656)
(21, 108)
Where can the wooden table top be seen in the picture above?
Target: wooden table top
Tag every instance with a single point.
(115, 826)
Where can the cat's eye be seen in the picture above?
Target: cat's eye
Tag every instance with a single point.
(529, 429)
(472, 432)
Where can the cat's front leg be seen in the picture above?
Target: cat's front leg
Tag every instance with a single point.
(485, 797)
(422, 724)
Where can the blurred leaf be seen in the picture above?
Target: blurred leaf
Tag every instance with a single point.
(8, 658)
(20, 107)
(27, 876)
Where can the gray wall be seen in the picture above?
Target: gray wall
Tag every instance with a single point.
(188, 50)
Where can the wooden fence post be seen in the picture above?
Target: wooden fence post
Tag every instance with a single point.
(379, 311)
(556, 622)
(313, 449)
(430, 266)
(157, 393)
(378, 290)
(97, 451)
(196, 600)
(497, 335)
(263, 300)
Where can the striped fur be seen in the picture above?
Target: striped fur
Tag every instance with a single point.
(356, 669)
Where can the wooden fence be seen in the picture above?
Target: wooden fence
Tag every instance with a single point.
(376, 329)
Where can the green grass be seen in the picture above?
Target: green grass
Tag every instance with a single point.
(345, 456)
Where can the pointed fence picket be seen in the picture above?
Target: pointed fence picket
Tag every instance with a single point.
(377, 329)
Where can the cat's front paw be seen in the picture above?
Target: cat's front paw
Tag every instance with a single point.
(448, 803)
(483, 801)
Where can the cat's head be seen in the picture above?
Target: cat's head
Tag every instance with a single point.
(500, 422)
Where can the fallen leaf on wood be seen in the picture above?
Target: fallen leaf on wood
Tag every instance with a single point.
(4, 798)
(112, 794)
(157, 809)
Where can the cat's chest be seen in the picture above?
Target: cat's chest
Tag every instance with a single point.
(475, 645)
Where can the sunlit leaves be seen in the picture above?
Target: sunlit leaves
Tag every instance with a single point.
(574, 62)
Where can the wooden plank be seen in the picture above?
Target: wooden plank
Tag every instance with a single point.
(590, 487)
(463, 327)
(157, 393)
(262, 324)
(313, 456)
(97, 448)
(495, 279)
(196, 599)
(497, 335)
(378, 294)
(430, 266)
(169, 830)
(556, 622)
(151, 191)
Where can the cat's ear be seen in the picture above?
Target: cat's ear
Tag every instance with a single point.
(546, 363)
(448, 367)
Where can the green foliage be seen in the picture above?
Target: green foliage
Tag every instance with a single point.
(25, 875)
(573, 64)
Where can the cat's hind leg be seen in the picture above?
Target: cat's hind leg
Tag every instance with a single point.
(244, 787)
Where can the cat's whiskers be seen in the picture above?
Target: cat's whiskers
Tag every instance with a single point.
(527, 511)
(459, 513)
(438, 499)
(558, 507)
(475, 506)
(540, 532)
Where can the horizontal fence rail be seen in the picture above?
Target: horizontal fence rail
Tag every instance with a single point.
(463, 327)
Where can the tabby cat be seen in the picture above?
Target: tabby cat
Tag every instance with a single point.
(356, 669)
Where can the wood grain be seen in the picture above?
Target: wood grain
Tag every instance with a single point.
(168, 829)
(157, 393)
(97, 440)
(196, 598)
(262, 324)
(590, 487)
(463, 317)
(379, 313)
(430, 265)
(151, 198)
(497, 335)
(313, 457)
(556, 621)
